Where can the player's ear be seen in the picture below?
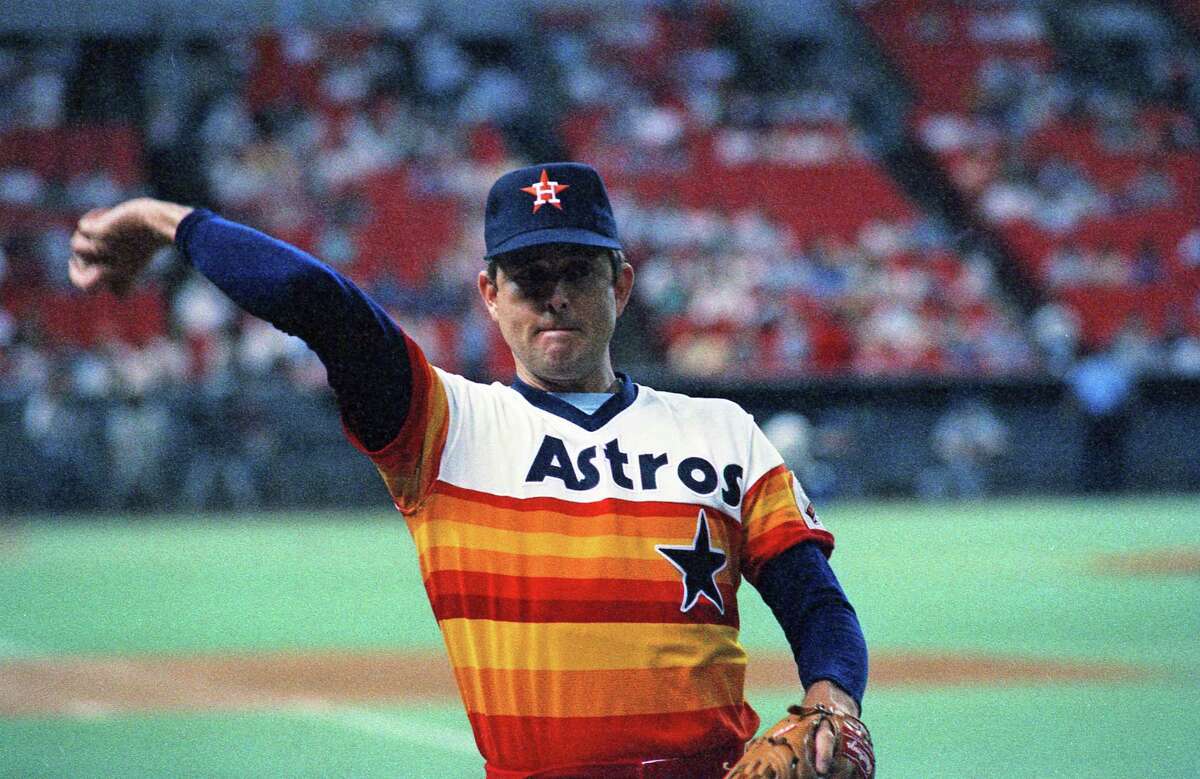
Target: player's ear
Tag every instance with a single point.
(623, 286)
(487, 291)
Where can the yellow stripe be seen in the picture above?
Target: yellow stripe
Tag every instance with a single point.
(776, 494)
(775, 505)
(621, 692)
(582, 646)
(773, 520)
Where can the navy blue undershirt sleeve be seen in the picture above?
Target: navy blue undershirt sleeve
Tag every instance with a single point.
(363, 350)
(819, 622)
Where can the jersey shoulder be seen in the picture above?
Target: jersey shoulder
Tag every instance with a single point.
(718, 411)
(463, 392)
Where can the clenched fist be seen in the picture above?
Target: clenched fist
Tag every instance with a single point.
(111, 246)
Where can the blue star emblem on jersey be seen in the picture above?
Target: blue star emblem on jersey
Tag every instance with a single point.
(699, 564)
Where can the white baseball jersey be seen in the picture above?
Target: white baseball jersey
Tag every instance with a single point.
(584, 568)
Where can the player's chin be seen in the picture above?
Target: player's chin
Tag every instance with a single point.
(558, 367)
(560, 362)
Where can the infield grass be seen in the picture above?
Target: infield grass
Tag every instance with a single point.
(1000, 577)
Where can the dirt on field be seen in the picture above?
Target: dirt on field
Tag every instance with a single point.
(1155, 562)
(98, 686)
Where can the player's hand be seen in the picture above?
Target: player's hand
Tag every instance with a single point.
(112, 246)
(826, 693)
(821, 738)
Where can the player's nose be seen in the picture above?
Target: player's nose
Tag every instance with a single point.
(559, 298)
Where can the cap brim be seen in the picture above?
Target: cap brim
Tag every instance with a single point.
(554, 235)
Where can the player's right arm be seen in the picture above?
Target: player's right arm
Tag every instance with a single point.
(370, 363)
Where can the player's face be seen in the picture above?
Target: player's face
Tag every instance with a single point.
(557, 310)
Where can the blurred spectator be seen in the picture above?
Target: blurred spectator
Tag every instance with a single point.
(221, 471)
(967, 440)
(795, 438)
(1067, 266)
(1056, 331)
(1182, 351)
(1147, 264)
(21, 186)
(1188, 250)
(59, 429)
(138, 434)
(1102, 385)
(33, 84)
(1071, 265)
(1151, 187)
(894, 301)
(1136, 347)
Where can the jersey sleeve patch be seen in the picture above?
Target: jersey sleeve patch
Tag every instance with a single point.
(777, 515)
(807, 511)
(409, 464)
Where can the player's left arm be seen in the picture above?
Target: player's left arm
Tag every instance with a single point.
(786, 559)
(826, 639)
(820, 624)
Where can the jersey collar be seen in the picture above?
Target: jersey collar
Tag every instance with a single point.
(622, 399)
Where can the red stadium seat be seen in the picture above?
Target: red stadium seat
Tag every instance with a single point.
(1105, 310)
(66, 152)
(406, 232)
(87, 320)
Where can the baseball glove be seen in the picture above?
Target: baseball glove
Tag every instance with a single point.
(787, 750)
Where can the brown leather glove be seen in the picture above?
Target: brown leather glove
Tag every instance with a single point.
(787, 750)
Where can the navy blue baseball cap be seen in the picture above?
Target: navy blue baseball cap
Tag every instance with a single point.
(556, 202)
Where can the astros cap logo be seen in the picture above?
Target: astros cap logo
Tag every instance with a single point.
(509, 224)
(545, 191)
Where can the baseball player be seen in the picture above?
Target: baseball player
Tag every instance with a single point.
(582, 537)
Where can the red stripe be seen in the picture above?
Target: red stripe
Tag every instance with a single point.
(702, 612)
(606, 506)
(779, 539)
(448, 582)
(703, 765)
(482, 595)
(535, 743)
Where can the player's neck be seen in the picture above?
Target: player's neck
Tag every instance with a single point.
(602, 380)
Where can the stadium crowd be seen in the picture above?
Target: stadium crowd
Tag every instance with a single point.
(373, 148)
(1086, 163)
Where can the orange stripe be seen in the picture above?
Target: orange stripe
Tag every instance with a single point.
(777, 518)
(626, 691)
(775, 493)
(456, 558)
(441, 558)
(680, 521)
(606, 506)
(451, 533)
(774, 523)
(409, 465)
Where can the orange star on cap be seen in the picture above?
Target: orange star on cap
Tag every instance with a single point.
(545, 191)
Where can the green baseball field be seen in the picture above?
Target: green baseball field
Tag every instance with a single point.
(1009, 639)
